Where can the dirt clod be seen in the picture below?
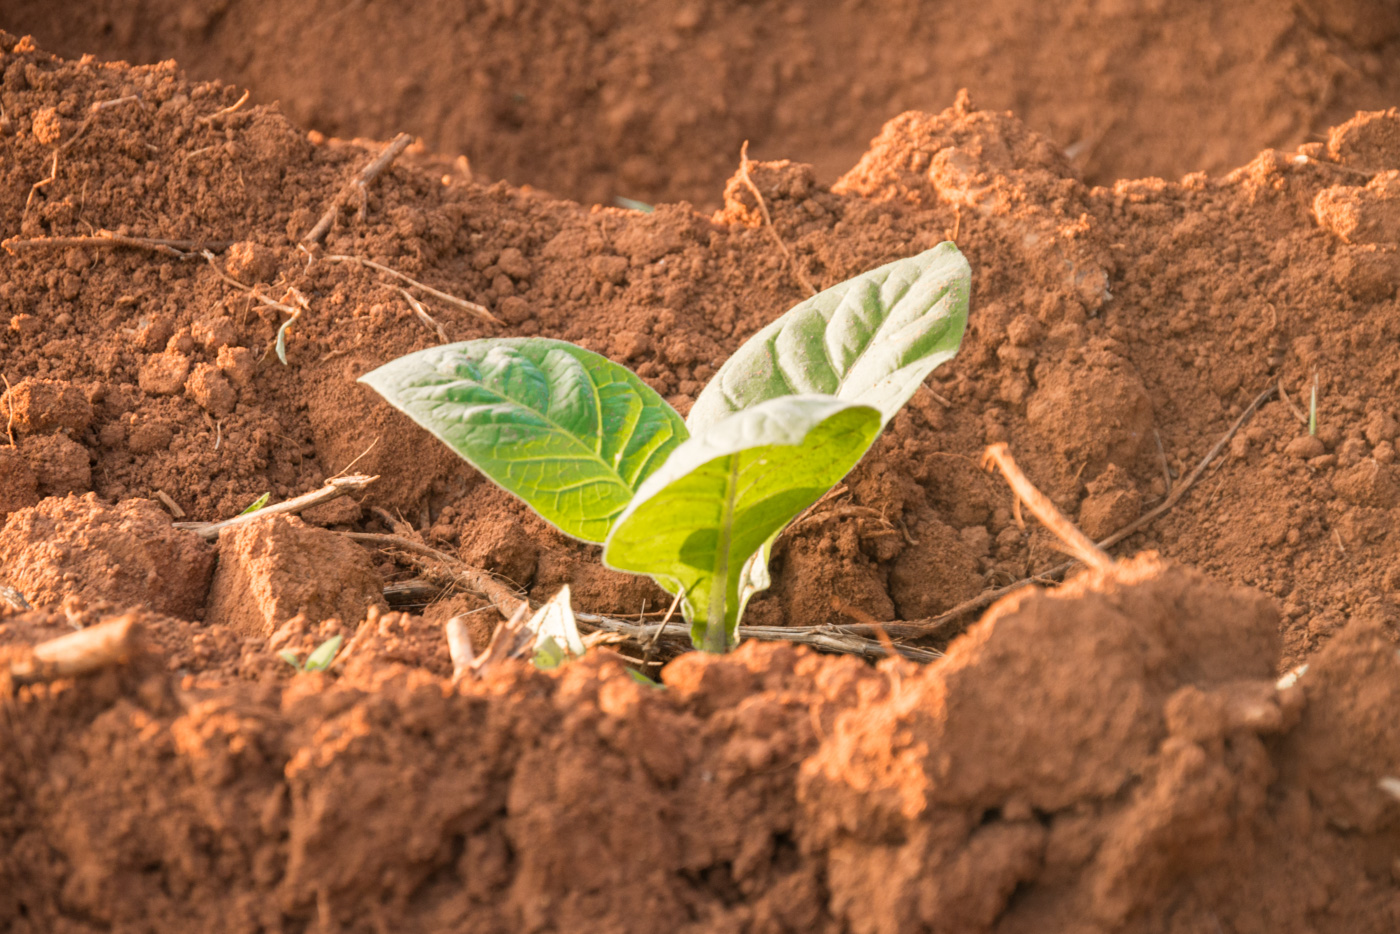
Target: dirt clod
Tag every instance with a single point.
(123, 555)
(280, 567)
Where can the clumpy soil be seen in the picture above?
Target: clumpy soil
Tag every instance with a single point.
(1109, 755)
(595, 99)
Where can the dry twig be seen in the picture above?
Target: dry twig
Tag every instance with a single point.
(744, 177)
(1075, 541)
(9, 410)
(106, 240)
(79, 653)
(937, 625)
(334, 489)
(423, 315)
(210, 118)
(358, 187)
(479, 310)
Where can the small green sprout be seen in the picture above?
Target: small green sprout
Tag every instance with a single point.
(318, 660)
(257, 504)
(696, 503)
(633, 204)
(1312, 409)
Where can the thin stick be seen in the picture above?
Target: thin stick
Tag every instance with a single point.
(106, 240)
(748, 182)
(1075, 541)
(1297, 412)
(357, 186)
(79, 653)
(459, 647)
(824, 638)
(170, 504)
(936, 624)
(1162, 456)
(9, 410)
(423, 315)
(334, 489)
(41, 183)
(479, 310)
(210, 118)
(271, 303)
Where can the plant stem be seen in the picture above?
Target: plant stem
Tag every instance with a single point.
(717, 622)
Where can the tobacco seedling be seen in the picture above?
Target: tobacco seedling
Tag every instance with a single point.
(320, 658)
(695, 503)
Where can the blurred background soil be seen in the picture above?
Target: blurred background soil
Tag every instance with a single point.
(595, 99)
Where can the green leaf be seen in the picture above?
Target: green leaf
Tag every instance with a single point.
(869, 340)
(291, 658)
(702, 524)
(640, 678)
(257, 504)
(568, 431)
(320, 659)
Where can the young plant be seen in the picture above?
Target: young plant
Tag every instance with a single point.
(695, 503)
(320, 658)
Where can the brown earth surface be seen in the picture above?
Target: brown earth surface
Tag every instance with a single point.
(1108, 756)
(605, 98)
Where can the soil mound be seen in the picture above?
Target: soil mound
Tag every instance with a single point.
(773, 789)
(606, 98)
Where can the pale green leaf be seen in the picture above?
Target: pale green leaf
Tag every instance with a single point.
(568, 431)
(556, 632)
(321, 658)
(257, 504)
(702, 524)
(869, 340)
(291, 658)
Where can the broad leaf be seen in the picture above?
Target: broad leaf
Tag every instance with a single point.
(702, 524)
(568, 431)
(869, 340)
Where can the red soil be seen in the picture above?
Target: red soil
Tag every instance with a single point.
(651, 101)
(1108, 756)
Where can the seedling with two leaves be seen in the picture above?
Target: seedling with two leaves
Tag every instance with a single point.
(320, 658)
(695, 503)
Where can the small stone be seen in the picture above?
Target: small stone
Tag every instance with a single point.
(1305, 447)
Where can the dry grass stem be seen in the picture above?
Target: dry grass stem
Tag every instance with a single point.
(423, 315)
(79, 653)
(231, 108)
(479, 310)
(9, 411)
(106, 240)
(944, 622)
(334, 489)
(744, 177)
(1075, 541)
(357, 187)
